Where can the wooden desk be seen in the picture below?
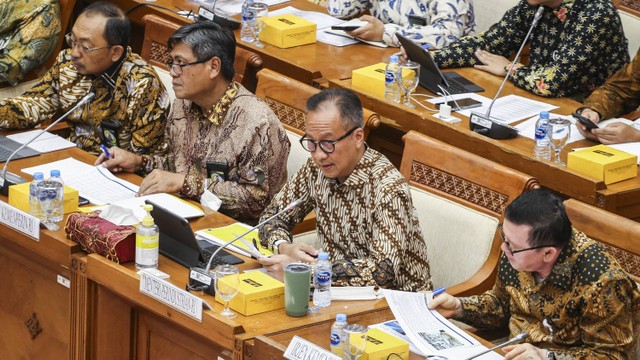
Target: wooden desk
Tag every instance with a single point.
(622, 198)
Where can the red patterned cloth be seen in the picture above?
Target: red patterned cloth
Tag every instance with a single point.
(97, 235)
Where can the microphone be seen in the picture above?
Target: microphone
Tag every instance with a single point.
(223, 21)
(515, 339)
(493, 128)
(200, 279)
(7, 178)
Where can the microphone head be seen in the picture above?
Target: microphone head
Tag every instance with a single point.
(88, 97)
(538, 14)
(521, 336)
(293, 204)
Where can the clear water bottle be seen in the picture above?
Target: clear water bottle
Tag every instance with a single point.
(34, 204)
(248, 22)
(322, 281)
(542, 149)
(337, 334)
(391, 87)
(58, 212)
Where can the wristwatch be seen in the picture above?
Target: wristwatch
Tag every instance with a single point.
(551, 355)
(276, 245)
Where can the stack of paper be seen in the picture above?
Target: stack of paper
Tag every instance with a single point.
(47, 142)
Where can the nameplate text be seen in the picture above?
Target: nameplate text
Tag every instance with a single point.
(171, 295)
(20, 220)
(301, 349)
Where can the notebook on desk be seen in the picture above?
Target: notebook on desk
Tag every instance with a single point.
(8, 146)
(178, 243)
(430, 75)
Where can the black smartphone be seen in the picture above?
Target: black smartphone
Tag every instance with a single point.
(585, 121)
(465, 103)
(345, 27)
(82, 201)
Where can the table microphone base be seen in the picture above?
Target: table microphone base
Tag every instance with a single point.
(11, 179)
(492, 128)
(200, 280)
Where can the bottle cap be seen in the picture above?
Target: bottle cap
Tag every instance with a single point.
(393, 58)
(55, 173)
(148, 220)
(38, 176)
(341, 317)
(323, 256)
(544, 114)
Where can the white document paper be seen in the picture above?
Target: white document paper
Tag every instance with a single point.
(234, 7)
(47, 142)
(431, 333)
(512, 108)
(167, 201)
(527, 128)
(475, 96)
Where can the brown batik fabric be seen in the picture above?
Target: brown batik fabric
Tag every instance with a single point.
(588, 302)
(240, 130)
(367, 224)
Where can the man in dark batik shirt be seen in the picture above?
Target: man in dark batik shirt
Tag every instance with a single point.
(574, 48)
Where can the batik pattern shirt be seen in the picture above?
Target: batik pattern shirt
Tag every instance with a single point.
(447, 20)
(588, 301)
(620, 94)
(129, 109)
(367, 224)
(240, 131)
(29, 33)
(573, 49)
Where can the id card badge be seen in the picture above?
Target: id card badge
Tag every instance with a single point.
(217, 169)
(109, 131)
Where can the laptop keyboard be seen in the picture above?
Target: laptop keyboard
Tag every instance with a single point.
(455, 87)
(216, 261)
(4, 154)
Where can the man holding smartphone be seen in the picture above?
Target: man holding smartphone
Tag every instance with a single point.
(619, 95)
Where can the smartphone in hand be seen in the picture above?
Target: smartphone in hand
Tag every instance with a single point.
(345, 27)
(585, 121)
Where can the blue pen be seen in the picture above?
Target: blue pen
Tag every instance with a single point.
(438, 291)
(105, 151)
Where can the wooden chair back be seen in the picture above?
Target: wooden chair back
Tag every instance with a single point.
(157, 31)
(467, 179)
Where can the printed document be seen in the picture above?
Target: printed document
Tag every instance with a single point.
(428, 331)
(512, 108)
(47, 142)
(527, 128)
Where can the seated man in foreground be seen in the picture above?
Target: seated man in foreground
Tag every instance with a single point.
(556, 284)
(223, 141)
(618, 96)
(570, 54)
(365, 218)
(130, 105)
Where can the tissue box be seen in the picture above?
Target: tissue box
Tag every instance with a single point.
(371, 80)
(604, 163)
(285, 31)
(19, 197)
(97, 235)
(380, 344)
(258, 293)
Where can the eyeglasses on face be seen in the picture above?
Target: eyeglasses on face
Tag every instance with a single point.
(177, 68)
(513, 252)
(72, 42)
(328, 146)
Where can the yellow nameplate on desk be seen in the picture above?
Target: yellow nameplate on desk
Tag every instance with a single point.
(371, 79)
(19, 197)
(604, 163)
(258, 293)
(285, 31)
(381, 344)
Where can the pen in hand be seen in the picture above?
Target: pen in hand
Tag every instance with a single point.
(105, 151)
(438, 291)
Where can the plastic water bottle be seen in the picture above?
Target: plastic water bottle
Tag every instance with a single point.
(147, 241)
(337, 334)
(391, 88)
(542, 149)
(58, 212)
(248, 20)
(34, 204)
(322, 281)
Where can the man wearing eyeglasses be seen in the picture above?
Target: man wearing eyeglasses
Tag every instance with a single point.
(130, 105)
(562, 288)
(225, 145)
(365, 217)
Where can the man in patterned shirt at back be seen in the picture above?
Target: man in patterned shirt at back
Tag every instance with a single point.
(365, 217)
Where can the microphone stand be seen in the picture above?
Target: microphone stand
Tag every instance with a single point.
(516, 338)
(200, 279)
(483, 124)
(7, 178)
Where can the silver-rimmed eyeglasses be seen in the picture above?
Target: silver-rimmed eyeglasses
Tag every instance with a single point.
(72, 42)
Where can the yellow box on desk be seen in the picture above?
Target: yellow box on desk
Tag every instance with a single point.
(604, 163)
(19, 197)
(258, 293)
(381, 344)
(371, 79)
(285, 31)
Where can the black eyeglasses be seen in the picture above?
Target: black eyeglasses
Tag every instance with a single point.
(328, 146)
(513, 252)
(177, 68)
(72, 42)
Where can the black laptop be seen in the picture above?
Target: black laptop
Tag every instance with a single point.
(178, 243)
(8, 146)
(430, 74)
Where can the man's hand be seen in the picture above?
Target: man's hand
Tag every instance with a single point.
(594, 117)
(447, 305)
(372, 31)
(494, 64)
(299, 252)
(160, 181)
(616, 133)
(275, 264)
(121, 160)
(524, 352)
